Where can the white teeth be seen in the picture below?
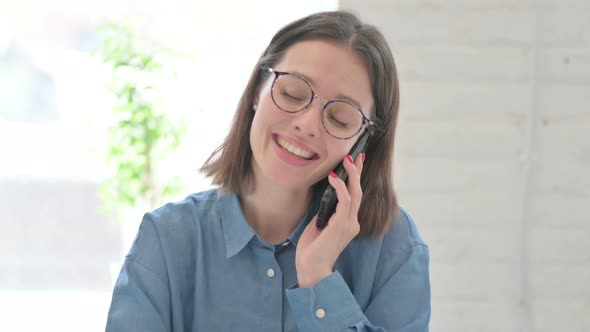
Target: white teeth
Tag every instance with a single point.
(293, 149)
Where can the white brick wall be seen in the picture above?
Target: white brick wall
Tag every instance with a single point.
(493, 155)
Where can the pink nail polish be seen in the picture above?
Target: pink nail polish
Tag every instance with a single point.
(363, 155)
(332, 174)
(350, 159)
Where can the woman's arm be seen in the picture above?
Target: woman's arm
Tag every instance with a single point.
(141, 298)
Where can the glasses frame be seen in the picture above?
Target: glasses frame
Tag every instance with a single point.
(366, 122)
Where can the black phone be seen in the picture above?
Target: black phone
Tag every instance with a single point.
(328, 199)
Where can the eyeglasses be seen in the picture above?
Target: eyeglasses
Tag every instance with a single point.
(340, 118)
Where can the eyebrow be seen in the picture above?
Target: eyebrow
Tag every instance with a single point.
(340, 96)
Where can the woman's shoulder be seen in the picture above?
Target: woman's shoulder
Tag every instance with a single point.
(405, 224)
(403, 235)
(168, 236)
(196, 203)
(402, 244)
(180, 227)
(195, 211)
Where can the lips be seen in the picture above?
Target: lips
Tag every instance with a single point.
(295, 148)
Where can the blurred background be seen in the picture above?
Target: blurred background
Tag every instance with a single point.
(492, 149)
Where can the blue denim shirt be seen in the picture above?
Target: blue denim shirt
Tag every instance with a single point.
(198, 265)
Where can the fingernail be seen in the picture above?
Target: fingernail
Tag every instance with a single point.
(332, 174)
(363, 156)
(350, 159)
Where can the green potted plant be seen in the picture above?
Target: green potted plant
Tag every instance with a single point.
(140, 135)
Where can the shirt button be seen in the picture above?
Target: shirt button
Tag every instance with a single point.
(285, 244)
(270, 273)
(320, 313)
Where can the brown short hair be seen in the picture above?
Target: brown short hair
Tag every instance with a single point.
(230, 165)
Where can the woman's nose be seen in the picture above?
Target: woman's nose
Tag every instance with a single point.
(309, 121)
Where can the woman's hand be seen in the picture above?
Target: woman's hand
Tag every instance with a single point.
(317, 250)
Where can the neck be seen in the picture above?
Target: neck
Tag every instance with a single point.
(274, 211)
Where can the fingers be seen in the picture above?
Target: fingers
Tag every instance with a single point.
(354, 183)
(360, 162)
(349, 195)
(344, 199)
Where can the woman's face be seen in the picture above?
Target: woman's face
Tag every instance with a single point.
(334, 72)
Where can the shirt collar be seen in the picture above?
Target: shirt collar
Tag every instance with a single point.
(237, 232)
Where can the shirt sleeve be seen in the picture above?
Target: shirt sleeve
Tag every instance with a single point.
(141, 297)
(401, 302)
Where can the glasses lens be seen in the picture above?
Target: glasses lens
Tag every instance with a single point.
(291, 93)
(342, 119)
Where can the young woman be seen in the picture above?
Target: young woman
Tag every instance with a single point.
(248, 255)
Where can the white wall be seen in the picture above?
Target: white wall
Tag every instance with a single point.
(493, 156)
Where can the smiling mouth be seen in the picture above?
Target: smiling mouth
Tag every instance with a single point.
(294, 150)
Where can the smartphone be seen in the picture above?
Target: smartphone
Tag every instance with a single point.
(328, 199)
